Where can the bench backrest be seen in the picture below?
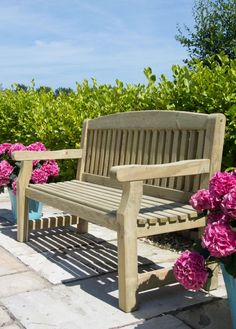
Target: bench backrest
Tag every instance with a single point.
(152, 137)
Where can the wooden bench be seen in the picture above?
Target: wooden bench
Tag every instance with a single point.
(136, 172)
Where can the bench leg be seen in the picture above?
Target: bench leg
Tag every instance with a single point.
(82, 227)
(22, 201)
(127, 245)
(127, 271)
(22, 220)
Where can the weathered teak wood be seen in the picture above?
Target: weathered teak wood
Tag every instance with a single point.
(136, 172)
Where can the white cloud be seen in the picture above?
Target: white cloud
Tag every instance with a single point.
(59, 45)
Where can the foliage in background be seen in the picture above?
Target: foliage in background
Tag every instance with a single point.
(32, 115)
(214, 29)
(205, 89)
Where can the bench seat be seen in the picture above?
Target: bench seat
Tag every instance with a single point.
(106, 200)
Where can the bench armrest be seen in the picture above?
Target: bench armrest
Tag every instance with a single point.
(128, 173)
(47, 155)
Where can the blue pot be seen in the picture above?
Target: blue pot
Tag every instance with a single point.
(230, 284)
(35, 207)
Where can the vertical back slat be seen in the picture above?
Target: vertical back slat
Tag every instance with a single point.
(117, 147)
(102, 152)
(173, 155)
(190, 155)
(123, 147)
(199, 155)
(106, 167)
(159, 151)
(140, 147)
(97, 152)
(134, 147)
(89, 150)
(166, 154)
(153, 148)
(128, 147)
(94, 145)
(182, 156)
(111, 160)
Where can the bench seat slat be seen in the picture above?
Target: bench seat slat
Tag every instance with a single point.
(153, 211)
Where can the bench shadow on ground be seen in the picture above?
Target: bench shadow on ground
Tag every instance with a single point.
(91, 264)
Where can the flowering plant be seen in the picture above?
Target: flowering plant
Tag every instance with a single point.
(218, 242)
(43, 171)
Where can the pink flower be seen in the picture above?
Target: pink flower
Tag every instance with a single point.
(39, 176)
(13, 185)
(16, 147)
(201, 200)
(5, 172)
(51, 168)
(4, 148)
(37, 146)
(228, 204)
(190, 270)
(217, 216)
(219, 239)
(220, 184)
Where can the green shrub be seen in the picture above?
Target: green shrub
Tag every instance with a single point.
(28, 114)
(206, 89)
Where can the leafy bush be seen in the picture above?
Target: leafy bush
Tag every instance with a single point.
(207, 89)
(28, 115)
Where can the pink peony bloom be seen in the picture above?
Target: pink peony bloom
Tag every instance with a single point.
(217, 216)
(219, 239)
(228, 204)
(190, 270)
(51, 168)
(4, 148)
(201, 200)
(220, 184)
(39, 176)
(13, 185)
(37, 146)
(5, 172)
(16, 147)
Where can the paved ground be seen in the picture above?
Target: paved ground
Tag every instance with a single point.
(63, 280)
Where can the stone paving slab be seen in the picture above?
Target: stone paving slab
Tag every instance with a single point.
(92, 303)
(163, 322)
(214, 315)
(13, 326)
(9, 264)
(19, 282)
(5, 319)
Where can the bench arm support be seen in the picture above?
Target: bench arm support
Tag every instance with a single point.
(129, 173)
(47, 155)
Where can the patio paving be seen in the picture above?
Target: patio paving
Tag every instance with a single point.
(60, 279)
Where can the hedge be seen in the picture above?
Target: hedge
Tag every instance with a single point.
(33, 115)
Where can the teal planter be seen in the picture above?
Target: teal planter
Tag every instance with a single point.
(35, 207)
(230, 284)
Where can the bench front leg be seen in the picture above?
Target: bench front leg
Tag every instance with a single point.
(127, 245)
(22, 201)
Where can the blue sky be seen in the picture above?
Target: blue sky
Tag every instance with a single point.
(58, 42)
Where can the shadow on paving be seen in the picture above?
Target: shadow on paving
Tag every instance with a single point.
(92, 265)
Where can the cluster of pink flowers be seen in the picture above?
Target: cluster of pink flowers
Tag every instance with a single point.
(219, 238)
(9, 169)
(190, 270)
